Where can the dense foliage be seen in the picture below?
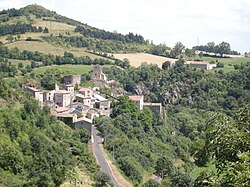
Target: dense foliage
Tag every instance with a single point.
(102, 45)
(228, 142)
(19, 29)
(49, 59)
(105, 35)
(188, 95)
(37, 150)
(222, 48)
(137, 142)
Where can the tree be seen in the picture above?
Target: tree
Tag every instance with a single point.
(228, 142)
(10, 38)
(201, 55)
(20, 65)
(189, 52)
(151, 183)
(102, 179)
(33, 64)
(177, 50)
(163, 167)
(224, 48)
(166, 65)
(18, 36)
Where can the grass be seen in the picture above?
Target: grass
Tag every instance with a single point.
(209, 167)
(228, 62)
(47, 48)
(54, 27)
(136, 59)
(75, 69)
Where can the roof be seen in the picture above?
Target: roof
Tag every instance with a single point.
(83, 119)
(135, 97)
(61, 92)
(152, 104)
(99, 97)
(199, 63)
(82, 96)
(33, 89)
(84, 89)
(61, 109)
(91, 112)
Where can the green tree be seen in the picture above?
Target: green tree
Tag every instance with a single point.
(224, 48)
(166, 65)
(164, 167)
(151, 183)
(20, 65)
(228, 142)
(102, 179)
(10, 38)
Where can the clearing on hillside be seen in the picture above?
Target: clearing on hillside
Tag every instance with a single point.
(47, 48)
(55, 27)
(136, 59)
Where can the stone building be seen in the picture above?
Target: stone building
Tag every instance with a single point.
(62, 98)
(138, 99)
(202, 65)
(97, 74)
(72, 79)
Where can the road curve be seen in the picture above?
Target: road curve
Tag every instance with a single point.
(96, 140)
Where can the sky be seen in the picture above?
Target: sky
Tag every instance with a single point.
(192, 22)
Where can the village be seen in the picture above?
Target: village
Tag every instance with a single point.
(79, 108)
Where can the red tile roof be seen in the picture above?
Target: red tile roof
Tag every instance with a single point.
(199, 63)
(61, 109)
(91, 112)
(84, 89)
(135, 97)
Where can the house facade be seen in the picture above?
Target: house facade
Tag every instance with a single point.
(97, 74)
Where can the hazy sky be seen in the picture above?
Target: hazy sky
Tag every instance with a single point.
(163, 21)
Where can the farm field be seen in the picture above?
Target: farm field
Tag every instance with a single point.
(54, 27)
(75, 69)
(136, 59)
(228, 62)
(47, 48)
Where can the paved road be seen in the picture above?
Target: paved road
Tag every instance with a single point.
(96, 140)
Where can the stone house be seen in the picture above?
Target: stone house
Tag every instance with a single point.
(155, 107)
(138, 99)
(202, 65)
(86, 92)
(35, 93)
(91, 114)
(62, 98)
(101, 102)
(86, 100)
(97, 74)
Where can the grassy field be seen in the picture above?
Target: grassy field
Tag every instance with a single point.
(47, 48)
(228, 62)
(54, 27)
(136, 59)
(75, 69)
(209, 167)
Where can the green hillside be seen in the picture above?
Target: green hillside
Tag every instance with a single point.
(201, 110)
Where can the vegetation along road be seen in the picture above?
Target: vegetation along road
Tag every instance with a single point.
(100, 157)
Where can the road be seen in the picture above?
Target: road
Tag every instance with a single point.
(96, 140)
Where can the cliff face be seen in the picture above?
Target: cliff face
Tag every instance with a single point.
(174, 93)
